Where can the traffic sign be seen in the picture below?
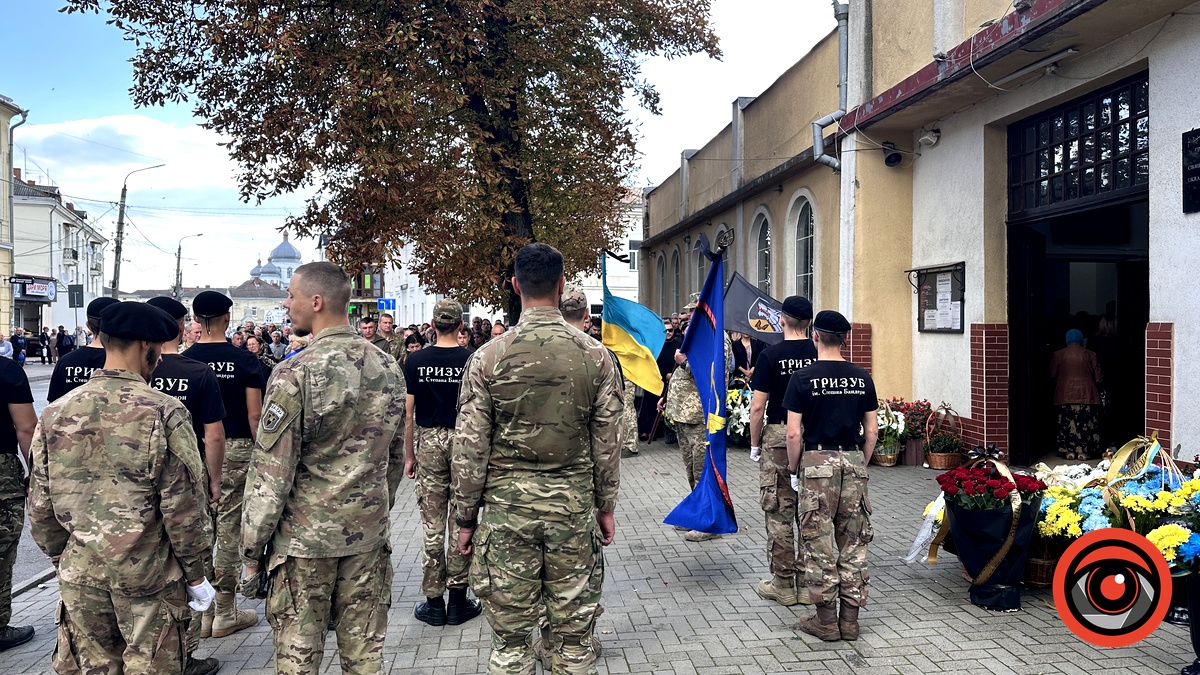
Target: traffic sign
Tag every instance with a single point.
(75, 295)
(386, 304)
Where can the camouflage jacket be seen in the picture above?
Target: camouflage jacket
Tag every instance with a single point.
(539, 422)
(118, 493)
(683, 401)
(329, 452)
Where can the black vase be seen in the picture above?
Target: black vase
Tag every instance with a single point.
(978, 535)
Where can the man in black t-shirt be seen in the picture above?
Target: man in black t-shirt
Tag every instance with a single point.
(769, 441)
(433, 377)
(75, 366)
(240, 378)
(831, 434)
(17, 422)
(195, 385)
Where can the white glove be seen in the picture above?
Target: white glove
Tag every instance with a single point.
(796, 483)
(755, 453)
(201, 595)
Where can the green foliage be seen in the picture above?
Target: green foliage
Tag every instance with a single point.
(943, 443)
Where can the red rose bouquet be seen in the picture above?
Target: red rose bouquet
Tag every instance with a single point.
(981, 488)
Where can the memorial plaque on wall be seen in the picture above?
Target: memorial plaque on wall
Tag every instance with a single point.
(940, 292)
(1191, 171)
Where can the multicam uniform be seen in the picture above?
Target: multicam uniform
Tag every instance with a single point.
(327, 462)
(834, 511)
(778, 500)
(537, 446)
(118, 503)
(684, 407)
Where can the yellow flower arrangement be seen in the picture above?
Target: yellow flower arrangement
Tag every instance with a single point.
(1061, 519)
(1168, 538)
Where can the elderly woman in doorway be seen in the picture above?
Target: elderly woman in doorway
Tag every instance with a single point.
(1076, 374)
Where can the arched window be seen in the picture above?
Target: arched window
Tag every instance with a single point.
(701, 271)
(677, 285)
(662, 286)
(763, 264)
(805, 237)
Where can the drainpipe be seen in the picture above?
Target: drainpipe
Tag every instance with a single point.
(841, 11)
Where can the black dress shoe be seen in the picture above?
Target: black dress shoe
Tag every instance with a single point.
(462, 612)
(434, 615)
(15, 636)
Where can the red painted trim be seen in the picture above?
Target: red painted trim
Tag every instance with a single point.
(989, 45)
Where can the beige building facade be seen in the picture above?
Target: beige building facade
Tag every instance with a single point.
(8, 111)
(1000, 179)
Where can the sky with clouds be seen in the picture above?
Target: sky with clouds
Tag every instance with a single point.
(84, 133)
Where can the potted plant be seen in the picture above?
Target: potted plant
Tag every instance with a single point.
(944, 451)
(981, 502)
(891, 431)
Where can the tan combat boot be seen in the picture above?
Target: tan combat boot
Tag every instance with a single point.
(229, 619)
(824, 624)
(801, 591)
(848, 622)
(777, 588)
(206, 619)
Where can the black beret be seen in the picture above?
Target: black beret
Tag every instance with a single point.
(169, 305)
(797, 307)
(830, 321)
(138, 321)
(209, 304)
(97, 306)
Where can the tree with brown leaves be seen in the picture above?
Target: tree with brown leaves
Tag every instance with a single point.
(468, 127)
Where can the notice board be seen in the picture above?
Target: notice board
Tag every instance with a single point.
(941, 295)
(1191, 171)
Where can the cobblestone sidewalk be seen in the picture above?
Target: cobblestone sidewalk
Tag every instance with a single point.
(679, 607)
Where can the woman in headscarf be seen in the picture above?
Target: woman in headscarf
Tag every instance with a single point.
(1076, 374)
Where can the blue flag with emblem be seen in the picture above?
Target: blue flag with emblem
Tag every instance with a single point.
(709, 508)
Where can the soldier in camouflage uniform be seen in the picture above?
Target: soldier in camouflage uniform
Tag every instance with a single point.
(118, 501)
(17, 422)
(768, 443)
(681, 403)
(433, 376)
(388, 339)
(537, 447)
(327, 462)
(831, 434)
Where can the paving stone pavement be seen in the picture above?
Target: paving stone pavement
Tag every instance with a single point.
(679, 607)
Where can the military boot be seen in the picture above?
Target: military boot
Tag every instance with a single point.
(14, 636)
(206, 619)
(432, 611)
(824, 624)
(801, 591)
(777, 588)
(229, 619)
(201, 666)
(461, 608)
(848, 622)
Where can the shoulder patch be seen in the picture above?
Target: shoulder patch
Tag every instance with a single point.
(272, 417)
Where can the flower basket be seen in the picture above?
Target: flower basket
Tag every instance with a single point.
(1039, 572)
(945, 460)
(885, 458)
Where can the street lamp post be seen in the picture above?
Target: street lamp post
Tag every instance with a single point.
(178, 259)
(116, 284)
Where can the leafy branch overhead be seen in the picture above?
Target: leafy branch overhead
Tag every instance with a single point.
(468, 127)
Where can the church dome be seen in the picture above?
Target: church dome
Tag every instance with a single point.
(285, 251)
(257, 269)
(269, 270)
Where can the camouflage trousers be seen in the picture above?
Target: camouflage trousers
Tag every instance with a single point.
(835, 525)
(304, 593)
(439, 568)
(693, 442)
(630, 442)
(193, 630)
(227, 561)
(104, 632)
(524, 564)
(778, 501)
(12, 521)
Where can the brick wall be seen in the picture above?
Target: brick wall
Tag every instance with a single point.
(857, 349)
(988, 422)
(1160, 341)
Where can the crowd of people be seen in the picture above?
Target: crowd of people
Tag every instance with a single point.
(180, 463)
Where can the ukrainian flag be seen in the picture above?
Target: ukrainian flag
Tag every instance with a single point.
(636, 336)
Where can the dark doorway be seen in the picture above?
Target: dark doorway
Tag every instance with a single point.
(1086, 270)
